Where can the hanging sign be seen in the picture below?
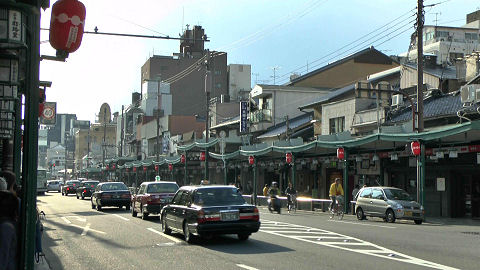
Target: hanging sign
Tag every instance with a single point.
(49, 113)
(243, 116)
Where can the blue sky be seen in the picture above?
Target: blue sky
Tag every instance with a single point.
(286, 34)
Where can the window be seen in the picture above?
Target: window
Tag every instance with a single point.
(453, 56)
(471, 36)
(218, 85)
(366, 193)
(337, 125)
(142, 189)
(377, 194)
(442, 34)
(217, 72)
(178, 197)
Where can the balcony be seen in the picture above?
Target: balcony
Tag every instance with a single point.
(259, 116)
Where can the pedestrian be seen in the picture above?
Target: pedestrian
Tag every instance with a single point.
(265, 190)
(8, 230)
(355, 191)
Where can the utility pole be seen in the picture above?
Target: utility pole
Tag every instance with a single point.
(88, 147)
(274, 72)
(65, 167)
(207, 101)
(104, 135)
(420, 125)
(286, 132)
(122, 132)
(159, 102)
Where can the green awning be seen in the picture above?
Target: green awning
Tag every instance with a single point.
(225, 156)
(197, 144)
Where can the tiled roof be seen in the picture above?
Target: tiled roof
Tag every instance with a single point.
(282, 127)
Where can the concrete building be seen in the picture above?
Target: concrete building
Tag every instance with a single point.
(239, 81)
(450, 43)
(186, 74)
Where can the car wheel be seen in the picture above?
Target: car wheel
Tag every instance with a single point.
(360, 215)
(144, 215)
(127, 207)
(165, 228)
(390, 216)
(243, 236)
(134, 213)
(418, 221)
(189, 237)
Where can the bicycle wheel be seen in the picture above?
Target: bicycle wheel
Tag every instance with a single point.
(340, 212)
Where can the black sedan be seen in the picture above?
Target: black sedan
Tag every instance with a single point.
(206, 211)
(111, 194)
(86, 188)
(70, 187)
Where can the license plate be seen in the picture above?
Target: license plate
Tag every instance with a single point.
(408, 213)
(229, 216)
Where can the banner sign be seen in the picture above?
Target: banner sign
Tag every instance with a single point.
(49, 114)
(243, 116)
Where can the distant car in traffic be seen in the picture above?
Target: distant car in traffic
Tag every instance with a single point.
(86, 188)
(388, 203)
(206, 211)
(111, 194)
(151, 197)
(54, 185)
(70, 187)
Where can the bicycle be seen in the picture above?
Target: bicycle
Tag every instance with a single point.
(292, 203)
(337, 208)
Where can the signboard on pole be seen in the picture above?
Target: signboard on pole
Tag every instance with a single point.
(49, 113)
(243, 116)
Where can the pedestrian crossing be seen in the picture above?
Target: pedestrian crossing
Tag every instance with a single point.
(340, 241)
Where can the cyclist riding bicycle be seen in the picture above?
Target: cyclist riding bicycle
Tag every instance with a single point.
(291, 193)
(335, 190)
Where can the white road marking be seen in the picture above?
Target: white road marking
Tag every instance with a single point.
(363, 224)
(126, 219)
(66, 220)
(166, 244)
(89, 229)
(165, 235)
(304, 234)
(78, 218)
(86, 229)
(246, 267)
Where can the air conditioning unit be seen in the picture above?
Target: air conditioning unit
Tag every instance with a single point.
(397, 100)
(467, 93)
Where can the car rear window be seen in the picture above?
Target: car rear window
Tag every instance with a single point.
(73, 183)
(218, 197)
(90, 184)
(114, 186)
(397, 194)
(162, 188)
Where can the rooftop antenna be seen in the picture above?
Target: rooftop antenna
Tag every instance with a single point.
(256, 77)
(275, 68)
(436, 17)
(183, 17)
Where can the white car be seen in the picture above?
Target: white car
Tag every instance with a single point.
(53, 185)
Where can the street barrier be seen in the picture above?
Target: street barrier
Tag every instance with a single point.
(303, 203)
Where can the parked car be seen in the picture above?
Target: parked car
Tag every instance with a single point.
(70, 187)
(388, 203)
(54, 185)
(206, 211)
(86, 188)
(151, 197)
(111, 194)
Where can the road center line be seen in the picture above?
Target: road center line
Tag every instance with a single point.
(165, 235)
(246, 267)
(126, 219)
(362, 224)
(85, 230)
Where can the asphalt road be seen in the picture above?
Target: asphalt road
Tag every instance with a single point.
(78, 237)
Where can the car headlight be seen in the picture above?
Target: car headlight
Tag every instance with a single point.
(397, 206)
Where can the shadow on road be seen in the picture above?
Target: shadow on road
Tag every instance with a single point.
(229, 244)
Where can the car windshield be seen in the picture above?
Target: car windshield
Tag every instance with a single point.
(397, 194)
(218, 197)
(162, 188)
(114, 186)
(73, 183)
(91, 184)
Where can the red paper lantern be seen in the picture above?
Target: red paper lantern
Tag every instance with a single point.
(106, 166)
(202, 156)
(251, 160)
(340, 153)
(288, 158)
(66, 25)
(114, 167)
(170, 167)
(415, 148)
(182, 158)
(134, 169)
(156, 167)
(126, 169)
(144, 168)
